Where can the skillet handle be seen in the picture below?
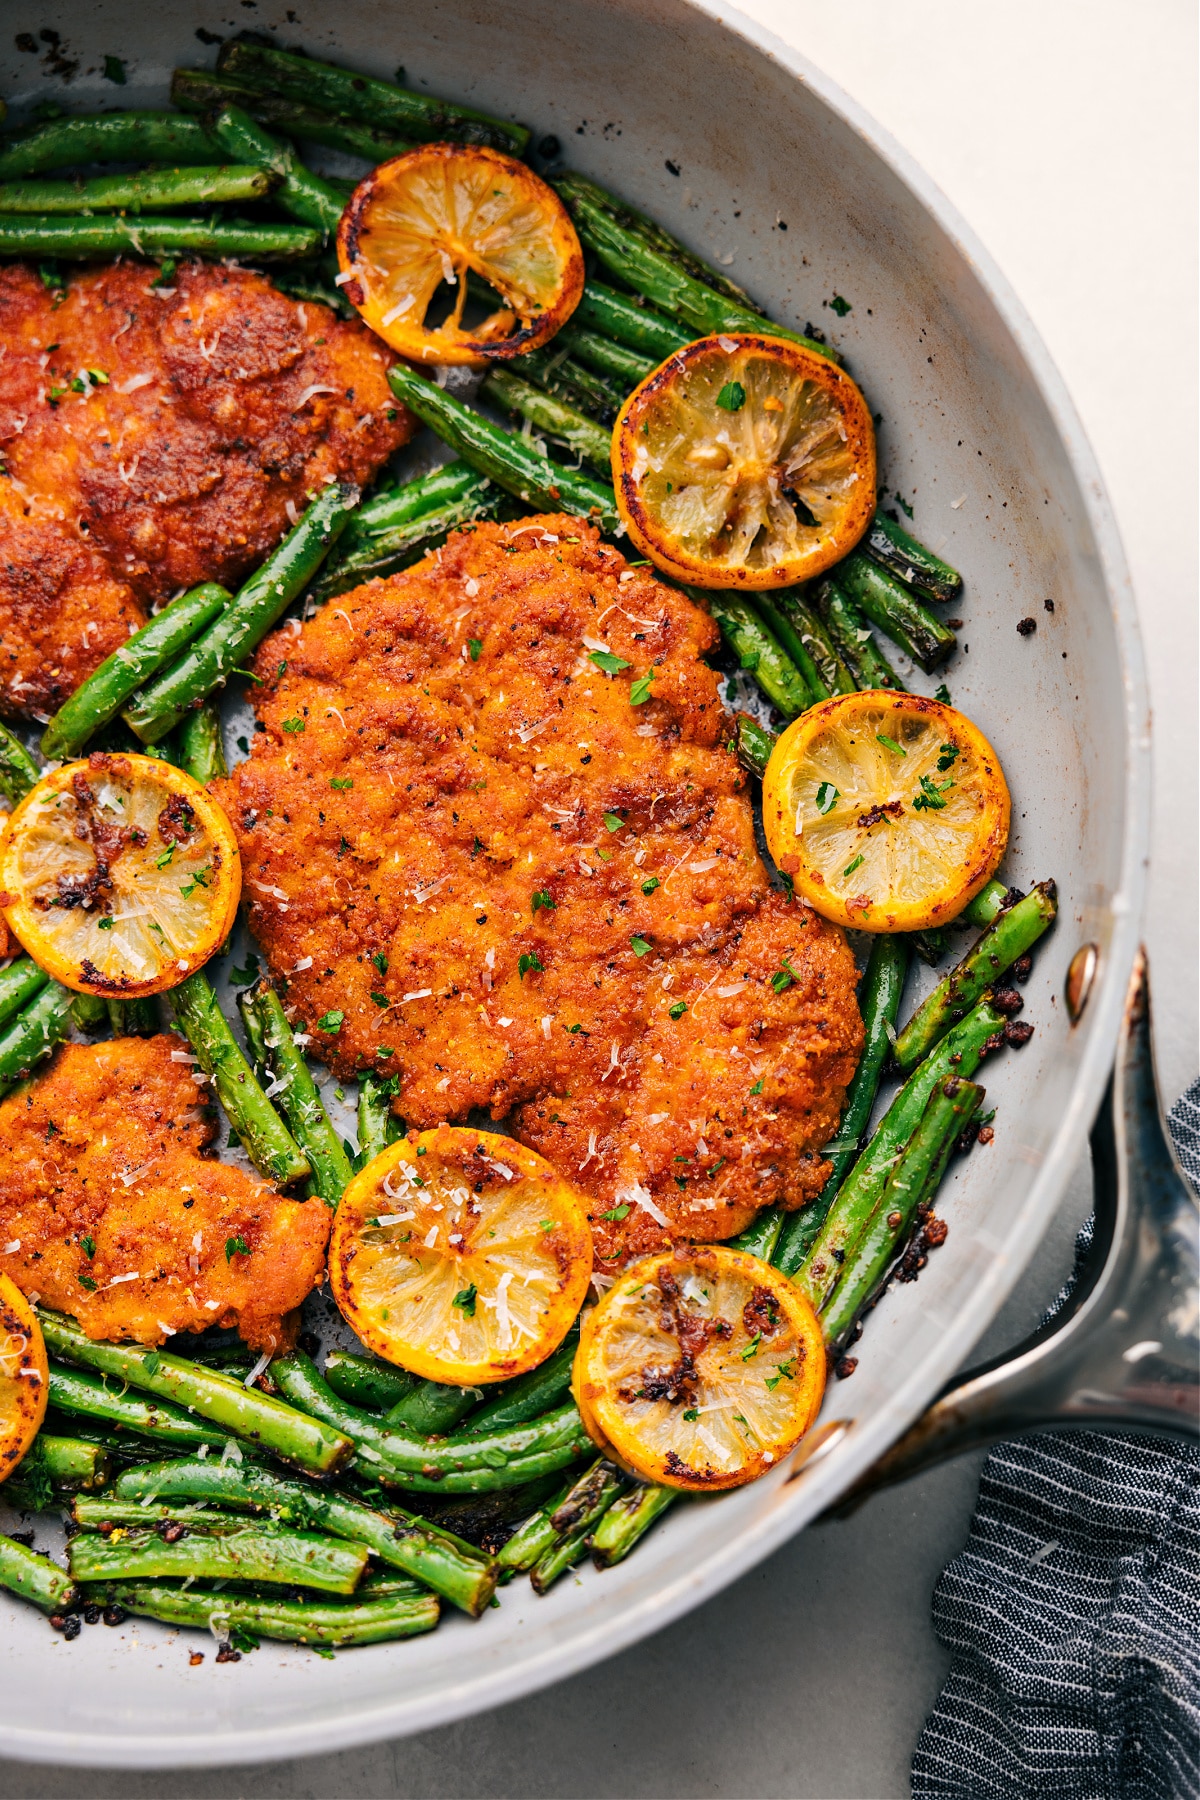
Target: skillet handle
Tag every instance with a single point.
(1121, 1355)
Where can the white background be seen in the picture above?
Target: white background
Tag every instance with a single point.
(1064, 131)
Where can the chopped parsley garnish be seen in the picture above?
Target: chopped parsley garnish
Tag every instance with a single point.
(153, 1362)
(293, 725)
(617, 1213)
(614, 821)
(930, 797)
(942, 693)
(331, 1022)
(649, 885)
(236, 1246)
(902, 503)
(341, 782)
(692, 1414)
(380, 961)
(243, 977)
(948, 754)
(888, 743)
(785, 1372)
(639, 946)
(475, 646)
(851, 866)
(732, 397)
(89, 1246)
(465, 1300)
(757, 1088)
(164, 857)
(840, 305)
(677, 1011)
(104, 924)
(380, 999)
(827, 796)
(639, 691)
(529, 961)
(543, 899)
(604, 659)
(85, 1281)
(114, 70)
(783, 978)
(719, 1164)
(751, 1348)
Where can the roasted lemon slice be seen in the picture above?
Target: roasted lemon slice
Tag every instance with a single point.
(460, 1255)
(24, 1376)
(701, 1368)
(889, 812)
(438, 213)
(120, 875)
(745, 462)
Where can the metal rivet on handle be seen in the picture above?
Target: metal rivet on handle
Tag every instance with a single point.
(1080, 976)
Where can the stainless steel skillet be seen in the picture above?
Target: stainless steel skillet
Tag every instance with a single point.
(784, 181)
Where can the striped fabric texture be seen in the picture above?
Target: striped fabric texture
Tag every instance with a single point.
(1073, 1615)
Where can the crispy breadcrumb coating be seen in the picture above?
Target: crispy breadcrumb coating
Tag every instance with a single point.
(109, 1212)
(155, 437)
(481, 860)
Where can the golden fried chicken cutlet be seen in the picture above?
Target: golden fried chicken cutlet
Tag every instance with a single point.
(494, 844)
(108, 1210)
(155, 437)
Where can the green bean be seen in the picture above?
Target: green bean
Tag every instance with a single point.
(889, 605)
(365, 1382)
(857, 1200)
(219, 650)
(752, 744)
(292, 1558)
(586, 1503)
(18, 984)
(535, 1537)
(18, 771)
(760, 1238)
(378, 1125)
(630, 367)
(92, 1512)
(418, 117)
(629, 321)
(912, 1183)
(247, 1413)
(882, 989)
(76, 239)
(654, 236)
(307, 197)
(431, 1408)
(626, 1520)
(299, 1100)
(757, 650)
(268, 1143)
(198, 91)
(129, 193)
(391, 507)
(932, 943)
(201, 747)
(72, 1462)
(505, 457)
(833, 675)
(293, 1621)
(77, 1393)
(1015, 931)
(120, 137)
(780, 624)
(384, 552)
(529, 1396)
(133, 1018)
(594, 395)
(453, 1569)
(101, 696)
(560, 421)
(889, 544)
(851, 638)
(35, 1578)
(34, 1032)
(633, 260)
(450, 1465)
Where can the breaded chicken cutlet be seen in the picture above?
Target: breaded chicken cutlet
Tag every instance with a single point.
(495, 846)
(108, 1210)
(153, 437)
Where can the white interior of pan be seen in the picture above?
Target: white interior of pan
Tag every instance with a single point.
(781, 181)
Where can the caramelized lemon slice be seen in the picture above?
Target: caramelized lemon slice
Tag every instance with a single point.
(701, 1368)
(439, 213)
(120, 875)
(888, 811)
(460, 1255)
(24, 1376)
(745, 462)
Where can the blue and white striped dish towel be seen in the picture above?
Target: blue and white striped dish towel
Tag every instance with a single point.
(1073, 1615)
